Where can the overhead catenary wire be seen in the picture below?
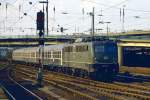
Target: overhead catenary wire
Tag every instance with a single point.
(21, 17)
(108, 7)
(6, 8)
(115, 6)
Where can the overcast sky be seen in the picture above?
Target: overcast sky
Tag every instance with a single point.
(13, 22)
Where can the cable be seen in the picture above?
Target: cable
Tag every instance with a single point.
(23, 15)
(8, 3)
(115, 6)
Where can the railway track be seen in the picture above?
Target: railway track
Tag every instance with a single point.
(14, 90)
(100, 89)
(96, 83)
(125, 78)
(76, 95)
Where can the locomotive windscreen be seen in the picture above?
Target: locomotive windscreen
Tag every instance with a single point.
(105, 53)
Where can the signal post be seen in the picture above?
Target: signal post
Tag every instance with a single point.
(40, 29)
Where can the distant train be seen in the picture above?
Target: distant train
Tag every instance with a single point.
(95, 59)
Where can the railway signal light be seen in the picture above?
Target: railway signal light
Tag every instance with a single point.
(25, 14)
(30, 3)
(40, 20)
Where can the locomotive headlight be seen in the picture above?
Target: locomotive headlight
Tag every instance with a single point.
(95, 59)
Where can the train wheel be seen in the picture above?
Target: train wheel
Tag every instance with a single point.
(77, 73)
(69, 71)
(83, 73)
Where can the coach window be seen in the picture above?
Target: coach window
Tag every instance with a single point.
(45, 54)
(56, 54)
(32, 54)
(48, 54)
(81, 48)
(14, 55)
(59, 54)
(17, 54)
(68, 49)
(37, 54)
(27, 55)
(87, 48)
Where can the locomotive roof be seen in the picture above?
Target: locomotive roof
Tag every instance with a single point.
(36, 49)
(55, 47)
(27, 49)
(58, 46)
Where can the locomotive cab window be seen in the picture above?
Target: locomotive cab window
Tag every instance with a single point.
(32, 54)
(105, 53)
(49, 55)
(99, 48)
